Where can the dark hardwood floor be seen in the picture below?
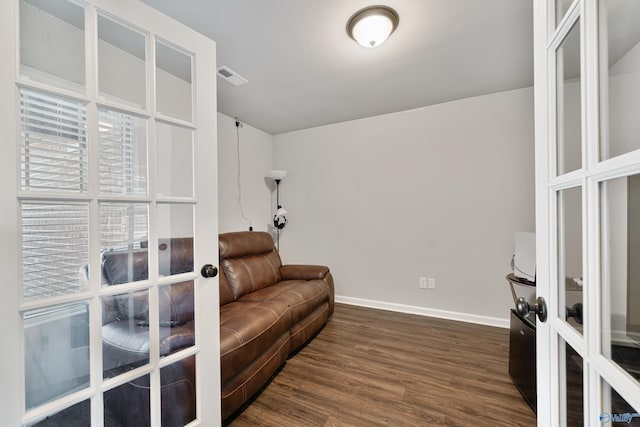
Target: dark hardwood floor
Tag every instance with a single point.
(371, 367)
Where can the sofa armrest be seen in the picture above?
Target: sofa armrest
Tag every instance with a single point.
(303, 272)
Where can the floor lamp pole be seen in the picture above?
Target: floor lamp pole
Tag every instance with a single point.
(279, 218)
(277, 207)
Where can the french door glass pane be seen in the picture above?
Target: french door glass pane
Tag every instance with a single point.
(121, 48)
(175, 228)
(52, 47)
(128, 405)
(561, 9)
(621, 91)
(616, 410)
(53, 143)
(176, 317)
(123, 241)
(570, 256)
(76, 415)
(123, 225)
(123, 152)
(568, 99)
(56, 352)
(178, 392)
(571, 366)
(175, 254)
(174, 88)
(125, 332)
(620, 213)
(55, 248)
(175, 160)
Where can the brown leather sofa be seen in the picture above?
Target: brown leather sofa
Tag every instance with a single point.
(267, 312)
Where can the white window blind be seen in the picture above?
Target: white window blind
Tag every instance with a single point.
(123, 225)
(55, 247)
(123, 153)
(53, 142)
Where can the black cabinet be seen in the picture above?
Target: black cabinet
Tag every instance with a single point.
(522, 357)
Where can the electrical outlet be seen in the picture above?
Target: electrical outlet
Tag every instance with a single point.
(431, 283)
(422, 283)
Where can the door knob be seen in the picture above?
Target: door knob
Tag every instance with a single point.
(523, 308)
(209, 270)
(575, 312)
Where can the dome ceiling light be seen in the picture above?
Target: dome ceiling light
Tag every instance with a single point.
(372, 25)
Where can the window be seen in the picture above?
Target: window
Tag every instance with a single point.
(123, 153)
(54, 158)
(53, 140)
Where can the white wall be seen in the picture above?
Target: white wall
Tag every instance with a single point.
(435, 192)
(256, 161)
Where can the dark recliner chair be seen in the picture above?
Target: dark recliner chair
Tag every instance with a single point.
(125, 335)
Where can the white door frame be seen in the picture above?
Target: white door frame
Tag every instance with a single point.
(206, 205)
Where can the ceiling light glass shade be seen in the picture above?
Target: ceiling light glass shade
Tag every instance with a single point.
(371, 26)
(277, 174)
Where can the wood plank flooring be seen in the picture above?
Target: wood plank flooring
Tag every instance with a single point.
(371, 367)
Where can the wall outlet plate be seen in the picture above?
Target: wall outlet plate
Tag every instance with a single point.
(422, 283)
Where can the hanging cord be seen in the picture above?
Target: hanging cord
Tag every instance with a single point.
(242, 215)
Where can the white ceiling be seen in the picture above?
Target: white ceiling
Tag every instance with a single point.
(304, 71)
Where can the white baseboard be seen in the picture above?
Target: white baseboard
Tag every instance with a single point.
(423, 311)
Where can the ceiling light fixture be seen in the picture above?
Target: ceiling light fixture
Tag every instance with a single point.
(372, 25)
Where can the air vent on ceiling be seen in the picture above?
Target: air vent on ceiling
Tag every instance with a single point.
(231, 76)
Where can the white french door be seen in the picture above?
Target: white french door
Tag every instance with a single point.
(109, 211)
(587, 95)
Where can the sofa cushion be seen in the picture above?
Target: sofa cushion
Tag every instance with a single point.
(243, 243)
(247, 329)
(305, 272)
(249, 260)
(301, 296)
(226, 295)
(251, 273)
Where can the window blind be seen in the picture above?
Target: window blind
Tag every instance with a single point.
(53, 143)
(123, 225)
(123, 159)
(55, 247)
